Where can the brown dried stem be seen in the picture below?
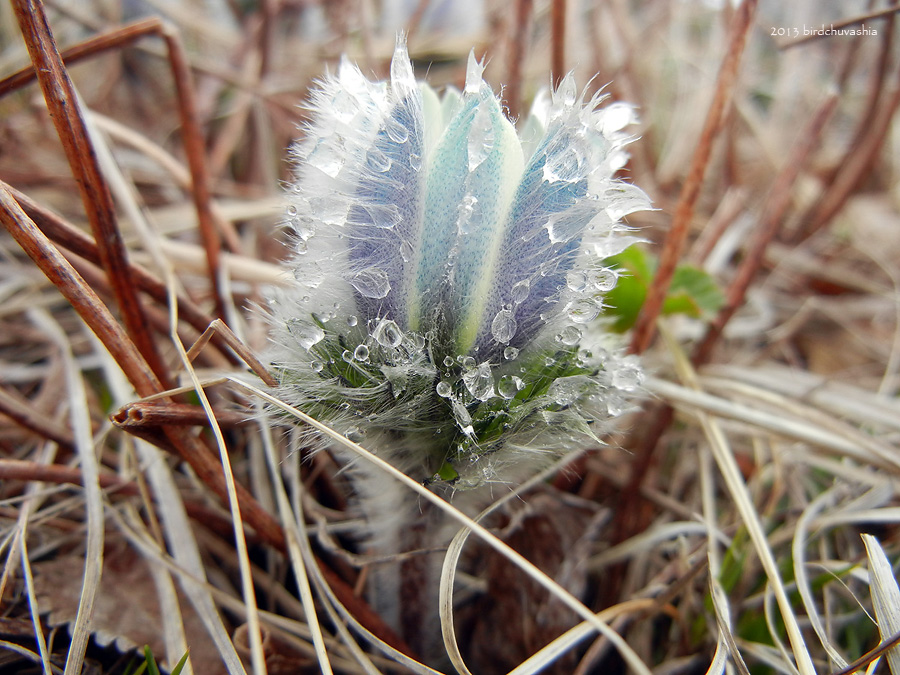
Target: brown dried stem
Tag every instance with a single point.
(192, 135)
(854, 167)
(156, 414)
(645, 327)
(27, 417)
(558, 41)
(75, 240)
(92, 310)
(776, 206)
(513, 90)
(65, 110)
(188, 446)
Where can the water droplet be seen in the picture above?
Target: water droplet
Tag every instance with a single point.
(448, 361)
(603, 279)
(396, 131)
(307, 334)
(504, 326)
(415, 161)
(355, 434)
(388, 334)
(570, 335)
(509, 386)
(575, 281)
(378, 161)
(480, 382)
(567, 166)
(583, 310)
(304, 226)
(519, 291)
(463, 418)
(627, 377)
(566, 390)
(549, 361)
(371, 282)
(467, 362)
(481, 137)
(352, 320)
(326, 158)
(301, 248)
(317, 366)
(406, 251)
(361, 353)
(344, 105)
(510, 353)
(347, 355)
(444, 389)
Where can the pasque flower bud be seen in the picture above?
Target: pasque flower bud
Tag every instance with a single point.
(449, 273)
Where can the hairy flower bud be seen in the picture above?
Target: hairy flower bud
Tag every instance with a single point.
(449, 273)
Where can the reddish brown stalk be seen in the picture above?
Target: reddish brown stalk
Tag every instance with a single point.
(195, 150)
(192, 135)
(155, 414)
(221, 329)
(870, 656)
(27, 417)
(731, 206)
(854, 167)
(645, 327)
(65, 111)
(772, 217)
(70, 237)
(188, 446)
(513, 90)
(18, 469)
(557, 41)
(92, 47)
(92, 310)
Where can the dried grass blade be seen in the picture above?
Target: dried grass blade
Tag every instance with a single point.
(258, 657)
(32, 602)
(178, 532)
(739, 493)
(885, 597)
(821, 503)
(513, 556)
(66, 113)
(337, 611)
(293, 537)
(80, 416)
(703, 403)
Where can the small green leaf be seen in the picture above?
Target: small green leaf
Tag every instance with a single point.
(150, 661)
(692, 291)
(181, 663)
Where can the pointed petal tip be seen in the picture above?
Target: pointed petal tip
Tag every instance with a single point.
(474, 74)
(402, 77)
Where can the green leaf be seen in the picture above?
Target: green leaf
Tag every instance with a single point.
(181, 663)
(692, 292)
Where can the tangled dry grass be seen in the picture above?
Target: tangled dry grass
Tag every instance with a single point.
(745, 518)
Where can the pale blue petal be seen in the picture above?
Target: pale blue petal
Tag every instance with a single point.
(550, 212)
(384, 221)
